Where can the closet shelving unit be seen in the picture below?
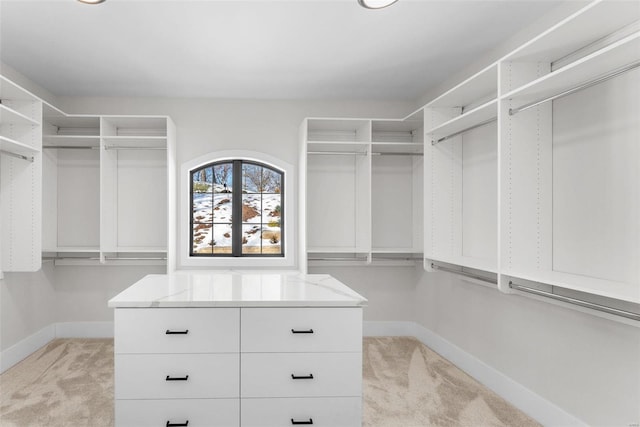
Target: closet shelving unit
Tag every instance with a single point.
(531, 166)
(362, 191)
(461, 178)
(20, 178)
(530, 170)
(107, 182)
(569, 199)
(71, 185)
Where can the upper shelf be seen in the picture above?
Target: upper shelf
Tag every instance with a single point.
(9, 115)
(348, 130)
(607, 59)
(481, 86)
(16, 147)
(577, 31)
(468, 120)
(397, 131)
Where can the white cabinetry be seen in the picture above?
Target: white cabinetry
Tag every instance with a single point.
(107, 182)
(20, 178)
(184, 360)
(361, 189)
(294, 359)
(532, 165)
(291, 355)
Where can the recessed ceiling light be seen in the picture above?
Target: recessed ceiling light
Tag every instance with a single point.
(376, 4)
(91, 1)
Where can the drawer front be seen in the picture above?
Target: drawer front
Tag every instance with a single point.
(301, 374)
(176, 376)
(177, 330)
(162, 413)
(301, 330)
(323, 412)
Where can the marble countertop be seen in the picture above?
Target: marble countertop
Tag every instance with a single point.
(196, 288)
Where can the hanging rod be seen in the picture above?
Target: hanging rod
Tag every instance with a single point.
(590, 83)
(337, 259)
(398, 154)
(135, 258)
(581, 303)
(444, 138)
(18, 156)
(464, 273)
(119, 147)
(69, 147)
(339, 153)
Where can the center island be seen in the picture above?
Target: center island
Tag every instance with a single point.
(233, 348)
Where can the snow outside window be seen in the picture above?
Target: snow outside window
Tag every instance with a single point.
(237, 210)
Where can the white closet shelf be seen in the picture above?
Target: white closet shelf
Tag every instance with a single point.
(134, 141)
(479, 86)
(465, 261)
(71, 140)
(73, 249)
(337, 250)
(576, 31)
(606, 288)
(11, 116)
(607, 59)
(17, 147)
(338, 146)
(397, 147)
(472, 118)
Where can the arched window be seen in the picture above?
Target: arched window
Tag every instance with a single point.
(237, 210)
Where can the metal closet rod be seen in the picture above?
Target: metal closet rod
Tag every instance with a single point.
(444, 138)
(575, 301)
(120, 147)
(17, 156)
(588, 84)
(69, 147)
(363, 153)
(464, 273)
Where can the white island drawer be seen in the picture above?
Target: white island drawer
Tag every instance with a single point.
(176, 376)
(301, 330)
(162, 413)
(323, 412)
(301, 374)
(177, 330)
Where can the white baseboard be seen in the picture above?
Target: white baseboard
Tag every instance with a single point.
(30, 344)
(521, 397)
(84, 330)
(25, 347)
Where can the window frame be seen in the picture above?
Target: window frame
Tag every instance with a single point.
(185, 261)
(236, 197)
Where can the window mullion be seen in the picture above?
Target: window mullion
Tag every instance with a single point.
(236, 225)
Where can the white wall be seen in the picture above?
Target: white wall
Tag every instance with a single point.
(587, 365)
(27, 304)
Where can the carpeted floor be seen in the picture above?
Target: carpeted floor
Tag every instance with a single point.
(69, 382)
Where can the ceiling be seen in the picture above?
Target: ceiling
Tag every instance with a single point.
(261, 49)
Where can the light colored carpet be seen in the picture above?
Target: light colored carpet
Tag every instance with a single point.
(69, 382)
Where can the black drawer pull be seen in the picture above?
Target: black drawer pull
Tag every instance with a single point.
(169, 332)
(294, 422)
(184, 424)
(170, 378)
(302, 377)
(298, 331)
